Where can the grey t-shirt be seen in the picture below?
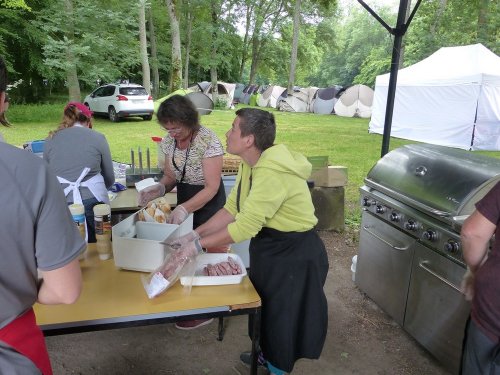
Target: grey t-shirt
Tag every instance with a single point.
(36, 229)
(71, 150)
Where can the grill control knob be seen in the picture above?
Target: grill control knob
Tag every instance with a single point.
(367, 202)
(430, 235)
(452, 246)
(411, 225)
(395, 216)
(380, 209)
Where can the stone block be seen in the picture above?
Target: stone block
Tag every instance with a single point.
(329, 207)
(331, 176)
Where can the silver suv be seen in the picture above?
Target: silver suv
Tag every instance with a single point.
(121, 100)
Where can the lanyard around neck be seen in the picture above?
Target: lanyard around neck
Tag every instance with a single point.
(185, 161)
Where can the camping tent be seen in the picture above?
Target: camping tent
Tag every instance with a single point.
(181, 92)
(238, 92)
(202, 102)
(299, 101)
(247, 93)
(269, 98)
(451, 98)
(325, 99)
(355, 101)
(225, 92)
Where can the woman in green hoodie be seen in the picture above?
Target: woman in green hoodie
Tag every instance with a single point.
(271, 205)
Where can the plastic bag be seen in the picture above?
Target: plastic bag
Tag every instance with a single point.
(175, 264)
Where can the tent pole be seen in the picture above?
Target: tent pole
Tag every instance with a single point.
(393, 77)
(398, 32)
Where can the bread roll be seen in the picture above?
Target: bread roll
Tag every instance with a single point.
(159, 216)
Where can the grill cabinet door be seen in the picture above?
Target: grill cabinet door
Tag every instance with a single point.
(384, 265)
(437, 312)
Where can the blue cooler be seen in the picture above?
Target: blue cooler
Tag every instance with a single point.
(35, 147)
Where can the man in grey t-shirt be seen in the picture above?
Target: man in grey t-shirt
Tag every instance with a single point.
(36, 232)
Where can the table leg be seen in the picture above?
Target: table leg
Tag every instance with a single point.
(255, 341)
(221, 329)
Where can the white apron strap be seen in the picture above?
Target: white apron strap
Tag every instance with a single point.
(74, 186)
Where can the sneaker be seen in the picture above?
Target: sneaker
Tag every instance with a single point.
(193, 324)
(246, 358)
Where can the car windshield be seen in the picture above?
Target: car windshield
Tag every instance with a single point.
(133, 91)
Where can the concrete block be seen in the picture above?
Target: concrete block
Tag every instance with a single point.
(331, 176)
(329, 207)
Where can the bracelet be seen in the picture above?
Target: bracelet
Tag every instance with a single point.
(198, 246)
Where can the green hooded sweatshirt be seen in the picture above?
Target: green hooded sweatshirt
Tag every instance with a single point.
(273, 194)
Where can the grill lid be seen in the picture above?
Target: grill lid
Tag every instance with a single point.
(440, 181)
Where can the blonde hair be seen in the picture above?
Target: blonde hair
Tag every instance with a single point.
(71, 116)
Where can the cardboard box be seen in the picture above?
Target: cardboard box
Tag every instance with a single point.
(136, 244)
(331, 176)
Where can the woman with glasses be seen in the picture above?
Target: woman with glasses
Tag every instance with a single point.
(193, 164)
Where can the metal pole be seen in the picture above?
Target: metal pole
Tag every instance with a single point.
(393, 77)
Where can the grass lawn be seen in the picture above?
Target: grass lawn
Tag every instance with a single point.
(345, 140)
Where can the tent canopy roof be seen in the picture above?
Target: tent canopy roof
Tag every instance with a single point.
(473, 64)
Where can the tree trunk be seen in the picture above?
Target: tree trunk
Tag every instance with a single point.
(244, 51)
(482, 22)
(71, 72)
(176, 68)
(154, 56)
(213, 64)
(255, 58)
(295, 42)
(188, 46)
(146, 79)
(439, 15)
(257, 40)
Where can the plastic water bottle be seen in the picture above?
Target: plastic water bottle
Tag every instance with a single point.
(102, 220)
(78, 213)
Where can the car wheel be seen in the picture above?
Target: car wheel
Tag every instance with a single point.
(147, 118)
(112, 114)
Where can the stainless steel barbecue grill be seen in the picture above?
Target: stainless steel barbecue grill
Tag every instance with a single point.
(410, 261)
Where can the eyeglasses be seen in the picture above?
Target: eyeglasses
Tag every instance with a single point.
(172, 130)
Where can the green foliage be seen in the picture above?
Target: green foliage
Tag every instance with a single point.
(14, 4)
(91, 32)
(221, 103)
(355, 39)
(336, 46)
(378, 62)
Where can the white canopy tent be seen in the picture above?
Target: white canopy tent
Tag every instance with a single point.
(451, 98)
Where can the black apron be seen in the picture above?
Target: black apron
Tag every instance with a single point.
(288, 270)
(186, 191)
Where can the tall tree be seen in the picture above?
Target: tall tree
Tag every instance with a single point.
(71, 47)
(244, 51)
(213, 66)
(176, 68)
(146, 78)
(267, 15)
(71, 73)
(154, 55)
(295, 42)
(189, 27)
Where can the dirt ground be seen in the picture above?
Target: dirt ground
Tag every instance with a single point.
(361, 339)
